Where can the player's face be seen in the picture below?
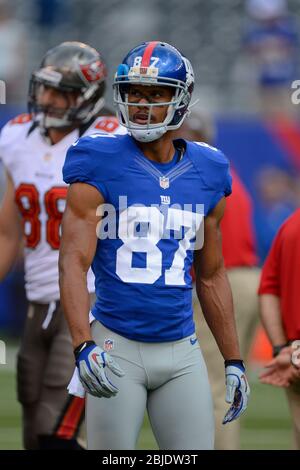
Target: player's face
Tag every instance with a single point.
(55, 101)
(143, 95)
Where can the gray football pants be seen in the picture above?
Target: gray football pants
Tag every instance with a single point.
(169, 380)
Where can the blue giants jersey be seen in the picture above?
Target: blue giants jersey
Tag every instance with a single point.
(145, 247)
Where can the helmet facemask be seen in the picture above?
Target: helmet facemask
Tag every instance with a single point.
(88, 102)
(178, 107)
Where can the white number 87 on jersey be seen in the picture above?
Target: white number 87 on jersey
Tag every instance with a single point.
(158, 227)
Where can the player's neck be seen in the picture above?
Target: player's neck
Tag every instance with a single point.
(56, 135)
(160, 150)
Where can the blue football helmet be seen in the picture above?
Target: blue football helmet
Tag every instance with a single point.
(154, 63)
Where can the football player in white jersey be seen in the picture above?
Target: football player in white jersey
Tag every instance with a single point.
(65, 102)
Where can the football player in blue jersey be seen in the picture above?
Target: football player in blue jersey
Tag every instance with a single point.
(155, 195)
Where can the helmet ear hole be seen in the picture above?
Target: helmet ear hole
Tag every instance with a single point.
(124, 89)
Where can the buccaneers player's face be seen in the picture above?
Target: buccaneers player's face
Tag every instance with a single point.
(143, 95)
(55, 101)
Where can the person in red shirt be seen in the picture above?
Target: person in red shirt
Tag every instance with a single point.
(239, 251)
(279, 310)
(237, 228)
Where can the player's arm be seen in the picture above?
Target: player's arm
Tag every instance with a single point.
(10, 229)
(77, 250)
(78, 246)
(213, 288)
(215, 296)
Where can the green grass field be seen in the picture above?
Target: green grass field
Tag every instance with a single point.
(266, 424)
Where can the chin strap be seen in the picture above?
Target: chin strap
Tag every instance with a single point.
(148, 135)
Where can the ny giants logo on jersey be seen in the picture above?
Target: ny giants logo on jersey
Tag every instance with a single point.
(152, 223)
(165, 199)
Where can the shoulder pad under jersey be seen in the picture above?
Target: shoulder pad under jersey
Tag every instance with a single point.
(17, 126)
(12, 135)
(212, 166)
(95, 159)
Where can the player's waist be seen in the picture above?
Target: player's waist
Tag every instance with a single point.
(136, 332)
(41, 278)
(42, 282)
(147, 324)
(121, 339)
(55, 303)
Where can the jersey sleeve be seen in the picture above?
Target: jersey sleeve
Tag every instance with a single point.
(270, 276)
(11, 135)
(80, 166)
(223, 186)
(6, 141)
(214, 171)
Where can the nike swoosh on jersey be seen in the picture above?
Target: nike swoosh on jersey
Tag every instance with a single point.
(193, 341)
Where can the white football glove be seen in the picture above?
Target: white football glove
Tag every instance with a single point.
(91, 362)
(237, 389)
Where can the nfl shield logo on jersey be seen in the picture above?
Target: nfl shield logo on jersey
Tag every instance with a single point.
(108, 345)
(164, 182)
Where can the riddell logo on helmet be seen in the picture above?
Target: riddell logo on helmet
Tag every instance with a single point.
(2, 92)
(94, 72)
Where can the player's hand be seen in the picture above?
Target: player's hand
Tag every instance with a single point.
(237, 390)
(91, 362)
(279, 371)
